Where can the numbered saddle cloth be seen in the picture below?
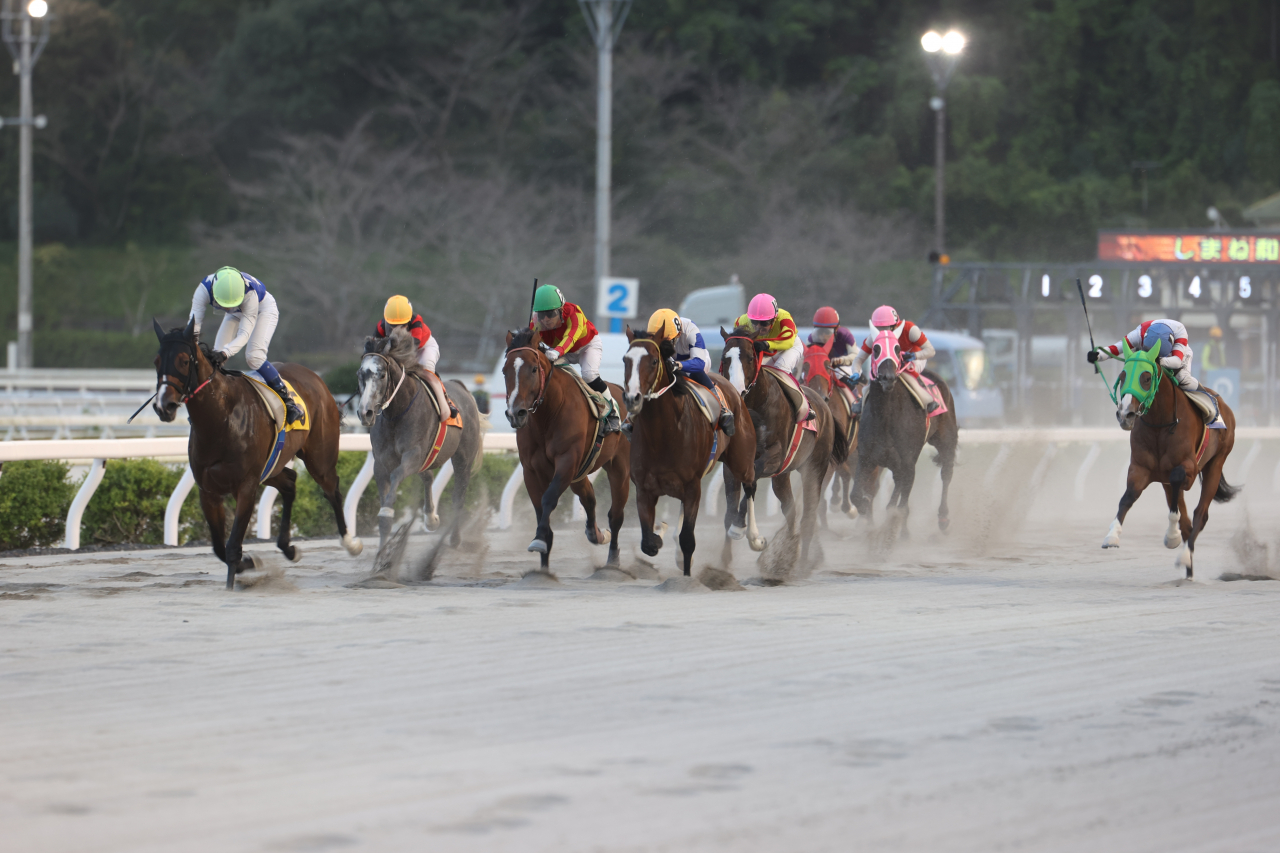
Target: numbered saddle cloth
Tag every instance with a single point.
(275, 405)
(793, 392)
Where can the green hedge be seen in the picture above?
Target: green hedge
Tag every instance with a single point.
(129, 505)
(34, 497)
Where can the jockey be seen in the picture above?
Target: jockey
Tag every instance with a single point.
(826, 323)
(774, 332)
(251, 318)
(398, 312)
(1175, 355)
(568, 334)
(692, 357)
(916, 351)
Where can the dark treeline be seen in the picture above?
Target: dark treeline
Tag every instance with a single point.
(348, 146)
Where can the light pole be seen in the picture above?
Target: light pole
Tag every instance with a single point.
(604, 19)
(26, 50)
(941, 52)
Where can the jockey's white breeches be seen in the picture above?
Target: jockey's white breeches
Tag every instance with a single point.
(255, 351)
(788, 359)
(429, 354)
(588, 359)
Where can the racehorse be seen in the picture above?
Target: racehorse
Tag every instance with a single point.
(779, 449)
(673, 445)
(409, 437)
(893, 430)
(232, 439)
(816, 373)
(555, 435)
(1169, 444)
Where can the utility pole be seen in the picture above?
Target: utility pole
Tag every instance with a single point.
(25, 49)
(604, 19)
(942, 53)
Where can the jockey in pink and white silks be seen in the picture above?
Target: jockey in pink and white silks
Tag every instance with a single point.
(1175, 355)
(916, 352)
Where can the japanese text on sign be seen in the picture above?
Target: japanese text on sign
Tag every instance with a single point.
(1215, 248)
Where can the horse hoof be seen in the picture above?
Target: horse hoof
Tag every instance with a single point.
(432, 522)
(649, 549)
(1183, 561)
(736, 532)
(759, 543)
(852, 512)
(539, 546)
(598, 537)
(943, 524)
(1175, 542)
(353, 545)
(1112, 539)
(294, 553)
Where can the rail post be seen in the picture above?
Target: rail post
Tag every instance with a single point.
(97, 470)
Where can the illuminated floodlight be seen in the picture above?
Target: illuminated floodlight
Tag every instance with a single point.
(37, 8)
(952, 43)
(930, 41)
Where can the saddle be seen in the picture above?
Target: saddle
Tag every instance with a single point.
(929, 387)
(443, 416)
(710, 403)
(600, 405)
(1204, 402)
(275, 407)
(793, 392)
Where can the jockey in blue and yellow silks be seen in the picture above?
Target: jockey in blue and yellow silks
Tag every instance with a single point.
(691, 357)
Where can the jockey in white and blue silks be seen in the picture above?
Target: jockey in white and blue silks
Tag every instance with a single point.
(250, 321)
(692, 356)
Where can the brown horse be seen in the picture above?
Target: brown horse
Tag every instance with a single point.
(673, 446)
(774, 420)
(1169, 444)
(816, 374)
(893, 430)
(233, 435)
(555, 434)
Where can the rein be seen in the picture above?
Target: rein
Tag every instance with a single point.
(1172, 425)
(403, 373)
(756, 378)
(542, 376)
(657, 377)
(187, 379)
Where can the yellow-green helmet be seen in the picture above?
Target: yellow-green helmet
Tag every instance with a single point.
(228, 287)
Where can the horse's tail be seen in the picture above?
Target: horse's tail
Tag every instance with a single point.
(840, 447)
(1226, 491)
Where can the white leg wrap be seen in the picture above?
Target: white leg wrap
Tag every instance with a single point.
(1112, 539)
(353, 545)
(1173, 536)
(387, 512)
(754, 539)
(1183, 560)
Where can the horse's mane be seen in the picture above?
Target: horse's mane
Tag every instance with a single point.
(178, 334)
(399, 346)
(522, 338)
(743, 331)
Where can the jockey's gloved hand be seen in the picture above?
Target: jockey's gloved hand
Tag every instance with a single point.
(1092, 356)
(855, 378)
(552, 354)
(218, 358)
(908, 356)
(673, 365)
(762, 346)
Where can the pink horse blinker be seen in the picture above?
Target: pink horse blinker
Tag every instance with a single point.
(884, 348)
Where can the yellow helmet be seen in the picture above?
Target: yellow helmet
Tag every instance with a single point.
(1215, 332)
(479, 379)
(398, 311)
(665, 323)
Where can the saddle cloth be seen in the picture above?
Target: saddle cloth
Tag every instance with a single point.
(275, 405)
(794, 394)
(926, 386)
(1202, 401)
(445, 419)
(709, 402)
(601, 405)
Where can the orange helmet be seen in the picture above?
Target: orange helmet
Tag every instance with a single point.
(398, 311)
(827, 317)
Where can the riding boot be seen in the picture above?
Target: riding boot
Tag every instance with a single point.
(627, 425)
(931, 408)
(611, 423)
(726, 422)
(292, 414)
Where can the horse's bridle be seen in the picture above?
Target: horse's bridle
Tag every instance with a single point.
(757, 355)
(651, 394)
(403, 373)
(542, 376)
(185, 389)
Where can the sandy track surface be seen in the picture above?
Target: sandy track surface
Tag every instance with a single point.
(1011, 687)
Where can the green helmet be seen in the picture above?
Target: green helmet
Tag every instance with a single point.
(228, 287)
(547, 298)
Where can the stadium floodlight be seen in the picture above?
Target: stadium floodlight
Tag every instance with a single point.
(941, 52)
(953, 42)
(25, 44)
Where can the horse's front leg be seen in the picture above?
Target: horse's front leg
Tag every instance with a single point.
(811, 484)
(215, 515)
(691, 502)
(782, 491)
(544, 538)
(430, 512)
(619, 491)
(587, 497)
(388, 482)
(647, 511)
(1139, 478)
(235, 560)
(754, 539)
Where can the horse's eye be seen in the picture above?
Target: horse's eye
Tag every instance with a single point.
(1145, 381)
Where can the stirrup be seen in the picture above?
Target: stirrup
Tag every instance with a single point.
(726, 423)
(931, 408)
(626, 428)
(292, 413)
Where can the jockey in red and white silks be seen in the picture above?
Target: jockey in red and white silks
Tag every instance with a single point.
(916, 352)
(1175, 353)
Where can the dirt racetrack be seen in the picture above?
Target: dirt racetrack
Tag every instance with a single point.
(1011, 686)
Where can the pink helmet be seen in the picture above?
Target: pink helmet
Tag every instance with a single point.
(762, 307)
(884, 316)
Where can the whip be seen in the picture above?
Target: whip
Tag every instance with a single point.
(140, 408)
(1092, 346)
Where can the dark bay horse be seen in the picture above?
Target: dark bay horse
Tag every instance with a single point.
(817, 374)
(892, 431)
(1168, 444)
(774, 420)
(555, 433)
(673, 446)
(232, 436)
(404, 428)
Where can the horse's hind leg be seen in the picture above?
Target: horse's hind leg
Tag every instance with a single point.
(587, 497)
(327, 480)
(286, 482)
(946, 460)
(1173, 493)
(1137, 481)
(619, 491)
(692, 501)
(1210, 478)
(811, 485)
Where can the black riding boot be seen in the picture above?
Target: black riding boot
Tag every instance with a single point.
(611, 423)
(292, 413)
(726, 422)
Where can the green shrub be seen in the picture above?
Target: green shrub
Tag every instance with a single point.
(495, 470)
(130, 502)
(34, 497)
(312, 515)
(342, 379)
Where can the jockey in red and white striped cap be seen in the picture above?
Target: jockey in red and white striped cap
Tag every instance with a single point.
(1175, 351)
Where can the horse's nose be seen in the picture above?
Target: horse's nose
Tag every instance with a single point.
(517, 418)
(167, 410)
(632, 401)
(366, 417)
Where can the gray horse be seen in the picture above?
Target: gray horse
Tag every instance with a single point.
(403, 425)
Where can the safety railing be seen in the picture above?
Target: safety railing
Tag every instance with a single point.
(96, 452)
